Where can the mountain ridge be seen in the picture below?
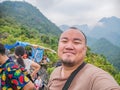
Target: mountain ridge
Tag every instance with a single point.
(105, 32)
(26, 14)
(104, 47)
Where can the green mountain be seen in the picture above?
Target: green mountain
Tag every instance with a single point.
(108, 28)
(23, 22)
(29, 16)
(112, 52)
(20, 21)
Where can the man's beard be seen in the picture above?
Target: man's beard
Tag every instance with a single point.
(67, 63)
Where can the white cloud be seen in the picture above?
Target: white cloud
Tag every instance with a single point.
(78, 12)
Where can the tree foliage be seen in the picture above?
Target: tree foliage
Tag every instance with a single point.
(12, 31)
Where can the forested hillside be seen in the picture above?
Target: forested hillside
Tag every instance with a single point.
(112, 52)
(12, 29)
(27, 15)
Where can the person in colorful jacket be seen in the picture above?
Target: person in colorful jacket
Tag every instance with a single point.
(12, 77)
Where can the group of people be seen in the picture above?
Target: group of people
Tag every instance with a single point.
(12, 75)
(72, 74)
(17, 72)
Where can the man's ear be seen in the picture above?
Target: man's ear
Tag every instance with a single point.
(85, 49)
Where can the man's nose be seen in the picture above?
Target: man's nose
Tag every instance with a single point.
(69, 45)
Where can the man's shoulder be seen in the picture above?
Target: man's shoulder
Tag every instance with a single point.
(94, 71)
(94, 68)
(56, 71)
(103, 77)
(10, 66)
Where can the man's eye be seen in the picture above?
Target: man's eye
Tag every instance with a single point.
(64, 41)
(77, 42)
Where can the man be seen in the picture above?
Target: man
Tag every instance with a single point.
(72, 51)
(11, 76)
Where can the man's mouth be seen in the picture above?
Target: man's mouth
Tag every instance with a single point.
(69, 53)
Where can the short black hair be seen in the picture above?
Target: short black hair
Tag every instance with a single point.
(19, 51)
(73, 28)
(2, 49)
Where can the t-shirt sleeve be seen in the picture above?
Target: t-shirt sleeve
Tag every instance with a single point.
(104, 81)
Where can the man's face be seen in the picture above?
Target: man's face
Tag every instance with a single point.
(72, 47)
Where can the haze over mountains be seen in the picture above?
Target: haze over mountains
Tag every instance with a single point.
(103, 38)
(108, 28)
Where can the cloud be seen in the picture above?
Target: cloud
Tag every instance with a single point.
(72, 12)
(80, 11)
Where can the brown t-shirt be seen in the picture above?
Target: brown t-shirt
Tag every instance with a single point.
(89, 78)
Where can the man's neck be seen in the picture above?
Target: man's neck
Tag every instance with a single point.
(66, 71)
(3, 59)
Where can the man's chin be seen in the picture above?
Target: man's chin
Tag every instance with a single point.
(68, 63)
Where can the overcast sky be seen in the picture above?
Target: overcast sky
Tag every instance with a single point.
(77, 12)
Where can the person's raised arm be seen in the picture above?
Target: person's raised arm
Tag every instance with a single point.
(35, 67)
